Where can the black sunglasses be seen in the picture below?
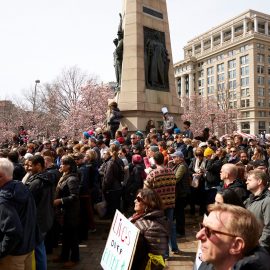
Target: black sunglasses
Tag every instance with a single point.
(209, 232)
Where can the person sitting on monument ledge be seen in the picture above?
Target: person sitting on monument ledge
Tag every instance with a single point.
(113, 120)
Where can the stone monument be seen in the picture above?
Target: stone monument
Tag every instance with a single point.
(147, 78)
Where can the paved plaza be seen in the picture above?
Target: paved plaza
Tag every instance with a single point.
(91, 251)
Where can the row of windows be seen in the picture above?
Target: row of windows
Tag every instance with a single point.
(261, 58)
(245, 126)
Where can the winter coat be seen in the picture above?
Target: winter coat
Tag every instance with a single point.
(42, 186)
(182, 175)
(260, 207)
(113, 175)
(239, 187)
(134, 182)
(257, 259)
(18, 219)
(212, 175)
(154, 235)
(19, 171)
(114, 118)
(68, 190)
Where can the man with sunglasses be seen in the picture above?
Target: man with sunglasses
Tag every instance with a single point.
(229, 240)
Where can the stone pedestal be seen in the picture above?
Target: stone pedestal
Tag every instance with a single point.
(138, 103)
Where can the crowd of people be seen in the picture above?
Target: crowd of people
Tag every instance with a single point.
(49, 191)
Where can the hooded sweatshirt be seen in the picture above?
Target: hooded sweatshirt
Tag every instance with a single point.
(18, 219)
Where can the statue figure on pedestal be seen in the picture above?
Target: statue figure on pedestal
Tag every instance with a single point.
(118, 54)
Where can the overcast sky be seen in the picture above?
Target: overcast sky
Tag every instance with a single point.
(41, 37)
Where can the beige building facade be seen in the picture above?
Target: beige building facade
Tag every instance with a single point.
(231, 62)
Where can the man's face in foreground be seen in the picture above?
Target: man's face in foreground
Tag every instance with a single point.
(215, 244)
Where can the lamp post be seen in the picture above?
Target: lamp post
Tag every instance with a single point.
(35, 95)
(212, 118)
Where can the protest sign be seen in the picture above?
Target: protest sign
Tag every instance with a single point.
(121, 244)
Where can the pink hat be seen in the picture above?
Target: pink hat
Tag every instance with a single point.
(121, 140)
(90, 132)
(136, 159)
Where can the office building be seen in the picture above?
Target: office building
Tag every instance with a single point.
(231, 62)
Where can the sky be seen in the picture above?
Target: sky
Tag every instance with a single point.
(39, 38)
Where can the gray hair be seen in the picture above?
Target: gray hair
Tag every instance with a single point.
(6, 167)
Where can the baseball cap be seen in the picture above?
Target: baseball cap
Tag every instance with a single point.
(177, 154)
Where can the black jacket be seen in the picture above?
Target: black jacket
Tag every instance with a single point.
(257, 259)
(240, 189)
(68, 191)
(18, 219)
(19, 171)
(212, 175)
(113, 175)
(41, 186)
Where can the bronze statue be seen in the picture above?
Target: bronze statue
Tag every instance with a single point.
(156, 63)
(118, 54)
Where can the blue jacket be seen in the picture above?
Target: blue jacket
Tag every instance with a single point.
(18, 219)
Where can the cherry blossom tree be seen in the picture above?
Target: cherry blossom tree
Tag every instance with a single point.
(205, 112)
(90, 109)
(70, 104)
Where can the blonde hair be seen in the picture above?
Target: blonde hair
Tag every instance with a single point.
(91, 154)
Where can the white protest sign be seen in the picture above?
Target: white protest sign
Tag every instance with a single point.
(121, 244)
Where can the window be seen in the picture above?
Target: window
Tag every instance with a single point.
(231, 53)
(232, 74)
(244, 70)
(244, 60)
(245, 126)
(232, 64)
(260, 80)
(210, 80)
(220, 57)
(245, 114)
(261, 114)
(220, 68)
(201, 82)
(201, 73)
(261, 92)
(262, 125)
(210, 90)
(260, 69)
(220, 77)
(245, 92)
(245, 81)
(232, 84)
(201, 91)
(210, 71)
(260, 58)
(221, 86)
(243, 48)
(261, 102)
(244, 103)
(260, 46)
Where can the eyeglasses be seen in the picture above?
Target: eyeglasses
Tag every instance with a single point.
(209, 232)
(139, 199)
(233, 151)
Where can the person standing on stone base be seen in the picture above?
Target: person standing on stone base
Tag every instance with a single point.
(113, 120)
